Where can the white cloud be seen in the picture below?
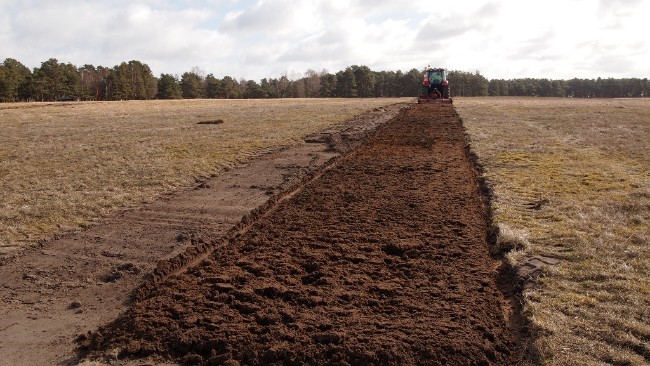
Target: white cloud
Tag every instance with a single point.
(266, 38)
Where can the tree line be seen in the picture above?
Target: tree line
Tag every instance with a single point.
(55, 81)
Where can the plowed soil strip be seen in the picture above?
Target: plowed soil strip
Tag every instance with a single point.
(382, 259)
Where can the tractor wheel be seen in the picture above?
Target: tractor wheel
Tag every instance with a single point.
(424, 92)
(445, 91)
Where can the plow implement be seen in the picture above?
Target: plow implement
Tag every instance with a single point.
(434, 99)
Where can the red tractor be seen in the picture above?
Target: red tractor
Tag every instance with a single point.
(435, 87)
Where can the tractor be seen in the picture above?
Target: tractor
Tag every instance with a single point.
(435, 87)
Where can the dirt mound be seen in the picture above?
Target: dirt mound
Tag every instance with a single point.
(382, 259)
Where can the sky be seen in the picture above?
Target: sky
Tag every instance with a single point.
(254, 39)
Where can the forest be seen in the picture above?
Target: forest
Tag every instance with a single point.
(56, 81)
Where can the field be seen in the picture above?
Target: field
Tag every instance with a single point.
(380, 259)
(66, 164)
(371, 243)
(571, 181)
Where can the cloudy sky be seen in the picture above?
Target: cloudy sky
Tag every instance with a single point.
(268, 38)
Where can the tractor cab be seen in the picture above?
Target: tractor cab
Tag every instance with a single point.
(436, 76)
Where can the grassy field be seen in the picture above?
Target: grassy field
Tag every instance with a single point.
(65, 164)
(570, 177)
(571, 180)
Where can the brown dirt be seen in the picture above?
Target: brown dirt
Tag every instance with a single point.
(382, 258)
(79, 280)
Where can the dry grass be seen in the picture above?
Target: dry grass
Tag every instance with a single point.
(571, 179)
(69, 163)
